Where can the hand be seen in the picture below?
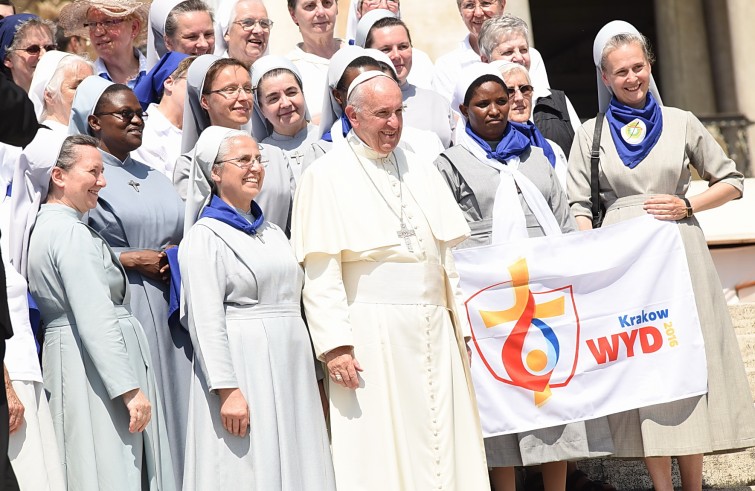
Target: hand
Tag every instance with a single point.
(666, 207)
(343, 367)
(234, 411)
(153, 264)
(139, 410)
(15, 408)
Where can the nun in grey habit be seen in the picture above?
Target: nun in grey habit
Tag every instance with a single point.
(139, 213)
(95, 353)
(277, 198)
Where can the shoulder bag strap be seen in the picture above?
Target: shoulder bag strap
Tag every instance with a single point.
(597, 214)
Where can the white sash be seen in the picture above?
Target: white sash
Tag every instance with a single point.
(509, 223)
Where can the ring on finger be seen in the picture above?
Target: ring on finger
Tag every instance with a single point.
(338, 377)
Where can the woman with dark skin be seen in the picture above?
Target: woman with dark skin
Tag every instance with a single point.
(140, 215)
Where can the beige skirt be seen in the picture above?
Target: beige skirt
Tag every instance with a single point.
(724, 419)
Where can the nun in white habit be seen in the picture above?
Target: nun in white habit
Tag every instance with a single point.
(56, 77)
(255, 413)
(278, 195)
(424, 109)
(423, 70)
(286, 96)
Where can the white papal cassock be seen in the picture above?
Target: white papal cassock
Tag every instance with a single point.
(413, 422)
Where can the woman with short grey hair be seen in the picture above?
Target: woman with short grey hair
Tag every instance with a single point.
(506, 38)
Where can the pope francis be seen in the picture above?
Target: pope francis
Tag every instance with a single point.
(374, 226)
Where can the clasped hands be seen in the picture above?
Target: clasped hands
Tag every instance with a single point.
(149, 262)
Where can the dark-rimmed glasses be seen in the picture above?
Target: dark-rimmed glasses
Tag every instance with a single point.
(125, 115)
(248, 24)
(35, 49)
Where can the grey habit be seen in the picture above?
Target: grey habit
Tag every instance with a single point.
(94, 351)
(138, 210)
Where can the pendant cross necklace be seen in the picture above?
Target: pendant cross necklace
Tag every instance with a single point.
(134, 185)
(404, 232)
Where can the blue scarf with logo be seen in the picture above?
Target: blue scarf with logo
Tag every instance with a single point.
(513, 144)
(345, 126)
(538, 140)
(643, 132)
(219, 210)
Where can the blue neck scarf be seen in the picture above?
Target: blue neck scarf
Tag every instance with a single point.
(513, 144)
(345, 126)
(538, 140)
(220, 210)
(649, 126)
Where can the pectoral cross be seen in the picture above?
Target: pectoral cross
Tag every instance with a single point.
(134, 185)
(406, 234)
(297, 156)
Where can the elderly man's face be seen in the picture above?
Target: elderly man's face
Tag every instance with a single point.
(248, 46)
(379, 122)
(475, 12)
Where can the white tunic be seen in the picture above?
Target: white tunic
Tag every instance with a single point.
(449, 66)
(412, 423)
(314, 76)
(161, 142)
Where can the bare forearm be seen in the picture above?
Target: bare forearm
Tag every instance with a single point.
(715, 196)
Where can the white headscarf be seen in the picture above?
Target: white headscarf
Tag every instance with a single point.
(87, 96)
(196, 118)
(331, 110)
(261, 128)
(604, 35)
(367, 21)
(158, 15)
(509, 222)
(31, 182)
(199, 189)
(42, 75)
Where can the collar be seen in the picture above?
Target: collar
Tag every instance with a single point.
(100, 69)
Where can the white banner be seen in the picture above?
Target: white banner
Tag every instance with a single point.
(582, 325)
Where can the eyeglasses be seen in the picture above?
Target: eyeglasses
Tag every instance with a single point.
(484, 5)
(377, 3)
(35, 49)
(248, 24)
(105, 24)
(244, 163)
(525, 90)
(233, 91)
(125, 115)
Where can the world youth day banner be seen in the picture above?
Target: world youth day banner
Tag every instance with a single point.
(583, 325)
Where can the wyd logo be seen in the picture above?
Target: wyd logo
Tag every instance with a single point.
(518, 343)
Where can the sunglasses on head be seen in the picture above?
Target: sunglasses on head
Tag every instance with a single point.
(35, 49)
